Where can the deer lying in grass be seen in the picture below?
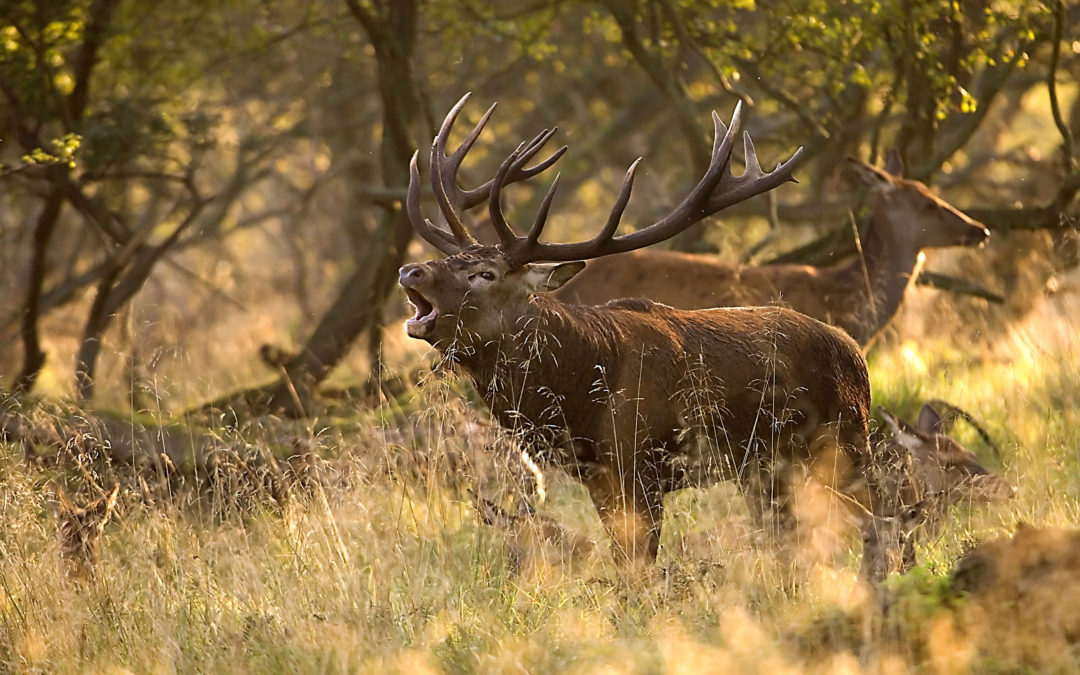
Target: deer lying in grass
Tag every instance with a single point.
(925, 472)
(535, 540)
(79, 529)
(633, 398)
(933, 463)
(860, 295)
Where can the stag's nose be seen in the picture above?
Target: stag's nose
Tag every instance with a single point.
(411, 274)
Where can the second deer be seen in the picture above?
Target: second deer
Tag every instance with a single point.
(925, 472)
(860, 295)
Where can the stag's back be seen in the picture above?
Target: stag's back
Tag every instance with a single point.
(751, 377)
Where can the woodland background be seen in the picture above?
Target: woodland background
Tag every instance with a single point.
(200, 229)
(185, 183)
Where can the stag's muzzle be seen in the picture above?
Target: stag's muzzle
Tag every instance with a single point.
(422, 324)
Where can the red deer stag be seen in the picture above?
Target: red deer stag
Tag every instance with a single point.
(635, 399)
(860, 295)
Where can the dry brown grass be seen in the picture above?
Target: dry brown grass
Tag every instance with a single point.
(371, 554)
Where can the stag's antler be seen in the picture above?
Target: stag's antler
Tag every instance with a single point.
(452, 198)
(717, 190)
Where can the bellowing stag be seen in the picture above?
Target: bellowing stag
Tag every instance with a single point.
(635, 398)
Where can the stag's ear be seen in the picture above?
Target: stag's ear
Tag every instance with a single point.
(871, 176)
(544, 277)
(930, 421)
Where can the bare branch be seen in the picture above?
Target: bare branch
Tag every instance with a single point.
(1068, 160)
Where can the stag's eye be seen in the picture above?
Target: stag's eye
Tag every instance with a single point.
(485, 275)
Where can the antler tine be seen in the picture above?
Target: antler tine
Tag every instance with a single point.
(621, 201)
(720, 130)
(466, 145)
(436, 236)
(753, 167)
(716, 190)
(444, 172)
(542, 214)
(533, 147)
(438, 187)
(734, 190)
(522, 252)
(718, 165)
(479, 195)
(494, 190)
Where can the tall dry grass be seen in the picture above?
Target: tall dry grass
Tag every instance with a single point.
(352, 542)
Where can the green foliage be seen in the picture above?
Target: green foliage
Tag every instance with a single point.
(63, 151)
(36, 50)
(811, 45)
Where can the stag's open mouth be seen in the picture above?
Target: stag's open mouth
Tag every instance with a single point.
(421, 325)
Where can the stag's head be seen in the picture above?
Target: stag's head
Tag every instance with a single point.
(914, 213)
(480, 293)
(475, 293)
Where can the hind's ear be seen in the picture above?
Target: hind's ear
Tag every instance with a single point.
(544, 277)
(930, 421)
(892, 422)
(871, 176)
(905, 436)
(894, 164)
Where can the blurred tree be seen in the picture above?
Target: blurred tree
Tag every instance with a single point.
(391, 28)
(121, 76)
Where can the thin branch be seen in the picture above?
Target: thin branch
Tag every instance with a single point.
(1051, 84)
(87, 55)
(685, 38)
(957, 285)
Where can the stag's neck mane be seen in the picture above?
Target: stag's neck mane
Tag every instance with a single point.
(584, 336)
(526, 375)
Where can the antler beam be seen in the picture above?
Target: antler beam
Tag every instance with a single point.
(717, 190)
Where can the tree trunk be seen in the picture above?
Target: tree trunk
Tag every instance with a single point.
(665, 77)
(33, 356)
(358, 308)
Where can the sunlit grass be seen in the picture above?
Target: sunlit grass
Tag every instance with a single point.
(387, 567)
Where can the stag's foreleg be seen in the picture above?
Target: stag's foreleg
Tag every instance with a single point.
(630, 504)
